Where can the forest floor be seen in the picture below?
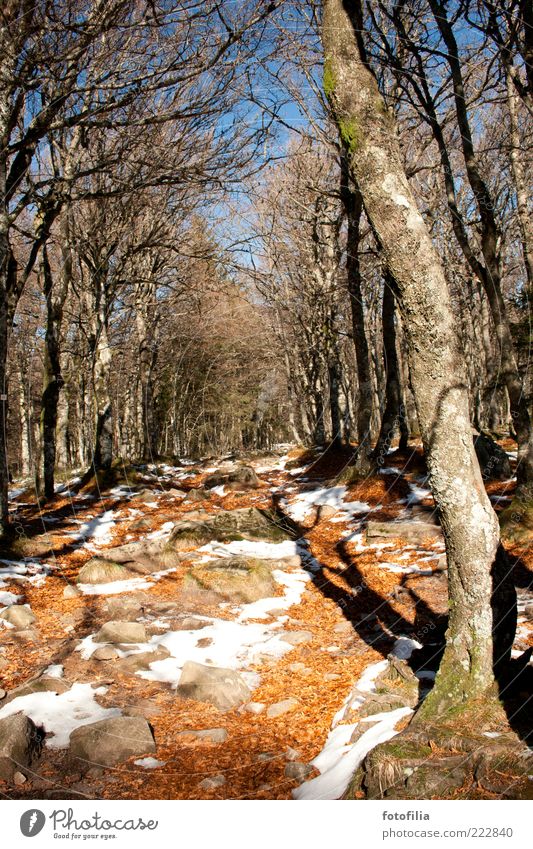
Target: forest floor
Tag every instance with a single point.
(343, 603)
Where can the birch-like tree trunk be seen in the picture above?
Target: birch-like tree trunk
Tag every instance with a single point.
(477, 564)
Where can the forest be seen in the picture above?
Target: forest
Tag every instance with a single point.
(266, 440)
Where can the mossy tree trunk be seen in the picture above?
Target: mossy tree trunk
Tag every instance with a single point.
(475, 556)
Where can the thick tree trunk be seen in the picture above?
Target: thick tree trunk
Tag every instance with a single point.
(393, 419)
(490, 274)
(354, 209)
(103, 448)
(520, 179)
(476, 561)
(52, 378)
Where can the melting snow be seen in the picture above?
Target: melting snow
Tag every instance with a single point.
(339, 758)
(330, 496)
(61, 713)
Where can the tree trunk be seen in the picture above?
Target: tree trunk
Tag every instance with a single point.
(353, 205)
(52, 378)
(476, 560)
(393, 418)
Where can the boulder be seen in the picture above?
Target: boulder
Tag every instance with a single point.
(142, 660)
(20, 743)
(298, 771)
(279, 708)
(209, 735)
(237, 579)
(71, 591)
(111, 741)
(100, 571)
(145, 496)
(241, 478)
(39, 685)
(121, 632)
(413, 532)
(296, 638)
(223, 688)
(104, 653)
(196, 495)
(213, 782)
(493, 460)
(18, 615)
(247, 523)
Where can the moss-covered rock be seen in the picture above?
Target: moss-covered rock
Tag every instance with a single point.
(516, 521)
(100, 571)
(237, 579)
(247, 523)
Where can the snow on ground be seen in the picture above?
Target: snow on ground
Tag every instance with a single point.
(332, 496)
(294, 583)
(246, 548)
(115, 587)
(339, 758)
(96, 531)
(61, 713)
(234, 646)
(32, 571)
(149, 763)
(7, 598)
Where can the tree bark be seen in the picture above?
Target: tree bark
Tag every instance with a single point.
(52, 378)
(393, 418)
(353, 206)
(476, 560)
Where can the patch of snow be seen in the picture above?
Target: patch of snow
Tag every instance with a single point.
(331, 496)
(149, 763)
(339, 758)
(97, 529)
(163, 531)
(268, 550)
(7, 598)
(61, 713)
(54, 671)
(342, 758)
(219, 490)
(294, 583)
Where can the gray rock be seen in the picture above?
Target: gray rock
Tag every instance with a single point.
(112, 741)
(121, 632)
(46, 684)
(100, 571)
(104, 653)
(415, 532)
(18, 615)
(298, 771)
(2, 694)
(142, 660)
(279, 708)
(292, 754)
(343, 627)
(296, 638)
(25, 635)
(247, 523)
(71, 591)
(210, 735)
(223, 688)
(20, 743)
(241, 478)
(19, 779)
(213, 782)
(237, 579)
(254, 707)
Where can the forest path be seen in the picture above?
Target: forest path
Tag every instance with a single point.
(339, 607)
